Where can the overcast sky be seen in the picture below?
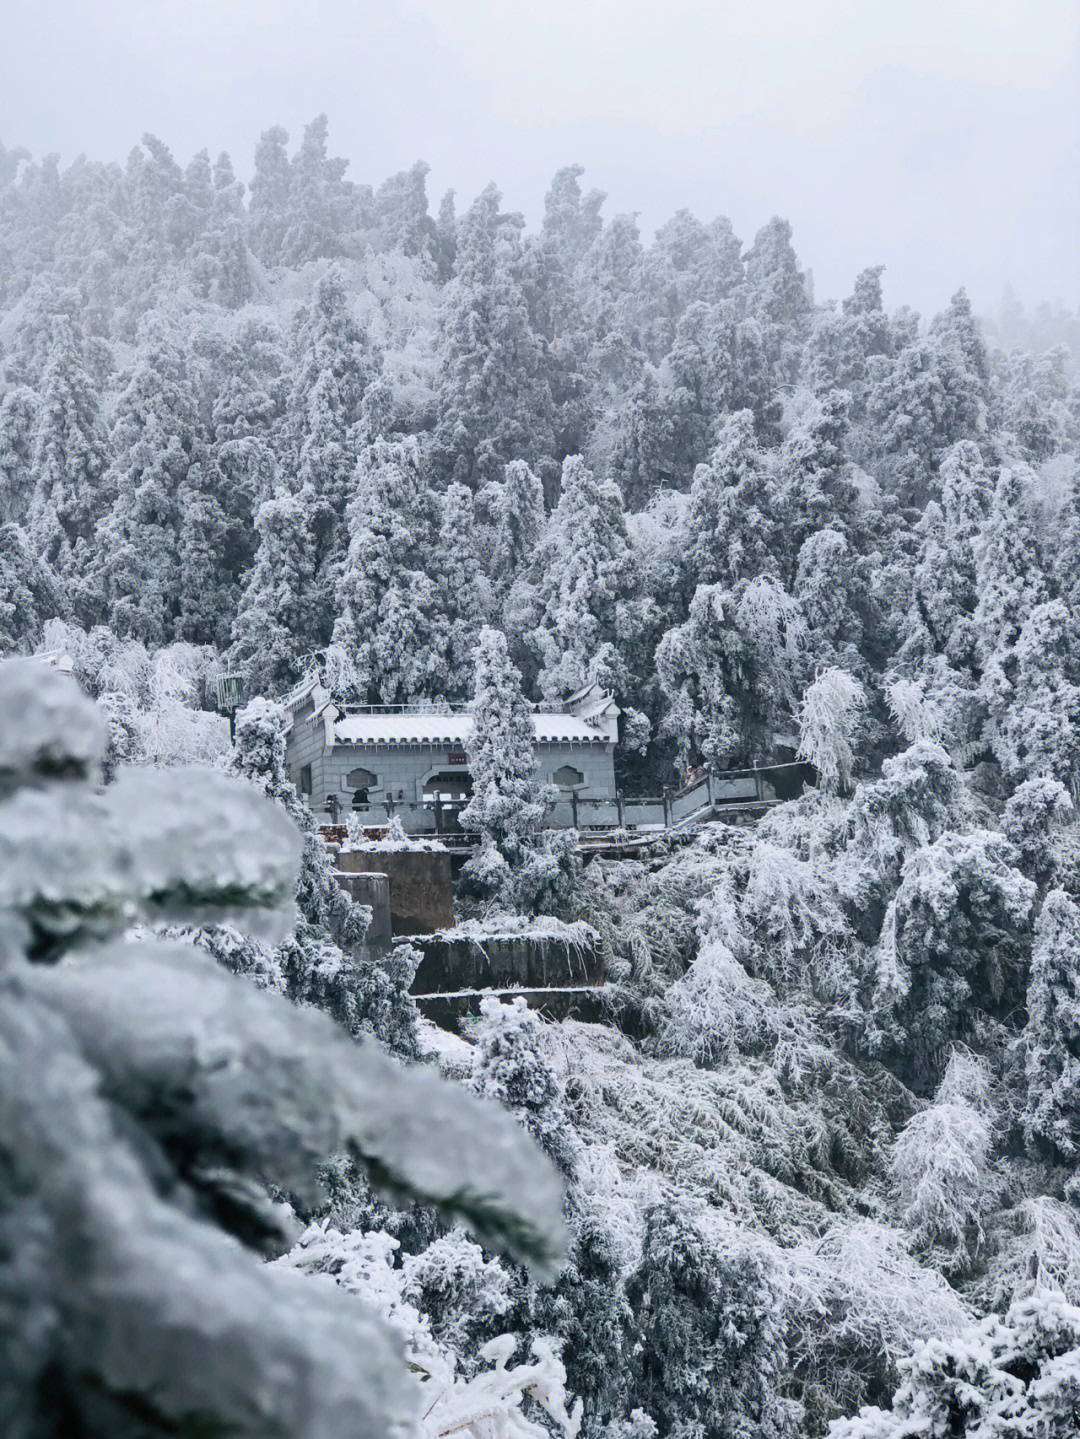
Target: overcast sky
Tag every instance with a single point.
(940, 138)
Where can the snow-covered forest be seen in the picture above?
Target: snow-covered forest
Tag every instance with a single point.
(818, 1169)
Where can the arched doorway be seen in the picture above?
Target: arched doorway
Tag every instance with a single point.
(446, 793)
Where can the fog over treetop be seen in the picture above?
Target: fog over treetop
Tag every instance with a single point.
(939, 139)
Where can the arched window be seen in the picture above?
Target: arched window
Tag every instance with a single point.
(361, 782)
(568, 777)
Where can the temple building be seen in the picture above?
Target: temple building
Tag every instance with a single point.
(381, 761)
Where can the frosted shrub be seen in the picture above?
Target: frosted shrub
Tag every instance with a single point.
(813, 827)
(827, 716)
(465, 1296)
(1035, 815)
(1038, 1253)
(916, 714)
(716, 1006)
(148, 1098)
(154, 697)
(859, 1304)
(478, 1399)
(173, 729)
(940, 1160)
(798, 927)
(951, 958)
(510, 1065)
(1020, 1376)
(1051, 1038)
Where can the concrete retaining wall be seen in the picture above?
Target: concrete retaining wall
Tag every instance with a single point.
(421, 894)
(373, 890)
(495, 963)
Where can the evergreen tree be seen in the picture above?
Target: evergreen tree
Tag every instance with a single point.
(518, 502)
(919, 404)
(582, 574)
(1051, 1038)
(319, 201)
(274, 625)
(709, 1354)
(946, 587)
(1018, 1374)
(69, 456)
(1032, 822)
(158, 445)
(1037, 730)
(508, 804)
(18, 420)
(494, 399)
(1011, 583)
(702, 365)
(30, 593)
(831, 598)
(842, 342)
(389, 621)
(1009, 573)
(957, 327)
(706, 672)
(334, 364)
(401, 213)
(732, 528)
(270, 195)
(463, 598)
(776, 297)
(688, 263)
(814, 477)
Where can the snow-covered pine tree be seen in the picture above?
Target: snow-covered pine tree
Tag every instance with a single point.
(732, 527)
(274, 623)
(30, 593)
(463, 599)
(18, 419)
(69, 454)
(518, 503)
(581, 574)
(1037, 731)
(1051, 1039)
(495, 402)
(389, 620)
(157, 440)
(508, 803)
(334, 363)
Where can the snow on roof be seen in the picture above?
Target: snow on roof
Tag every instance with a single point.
(301, 691)
(453, 729)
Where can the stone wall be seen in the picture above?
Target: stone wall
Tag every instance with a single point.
(497, 962)
(372, 889)
(421, 895)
